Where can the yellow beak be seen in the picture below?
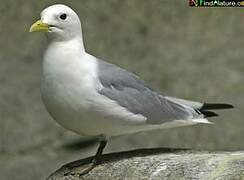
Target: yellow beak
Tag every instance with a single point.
(39, 26)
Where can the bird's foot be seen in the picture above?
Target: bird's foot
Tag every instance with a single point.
(86, 168)
(80, 169)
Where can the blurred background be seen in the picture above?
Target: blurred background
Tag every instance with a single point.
(192, 53)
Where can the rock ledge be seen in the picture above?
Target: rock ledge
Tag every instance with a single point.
(158, 164)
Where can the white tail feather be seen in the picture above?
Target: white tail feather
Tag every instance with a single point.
(205, 121)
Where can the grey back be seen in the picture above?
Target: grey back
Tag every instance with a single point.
(132, 93)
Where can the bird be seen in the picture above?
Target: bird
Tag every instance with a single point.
(94, 98)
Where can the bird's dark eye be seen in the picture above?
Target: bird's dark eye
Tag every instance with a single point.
(63, 16)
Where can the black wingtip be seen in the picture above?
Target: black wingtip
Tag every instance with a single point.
(209, 106)
(209, 114)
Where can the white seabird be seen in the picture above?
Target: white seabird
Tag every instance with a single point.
(95, 98)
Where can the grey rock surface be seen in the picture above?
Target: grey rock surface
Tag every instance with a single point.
(158, 164)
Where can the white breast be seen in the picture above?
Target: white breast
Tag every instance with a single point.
(68, 83)
(69, 91)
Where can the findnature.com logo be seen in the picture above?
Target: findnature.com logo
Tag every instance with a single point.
(216, 3)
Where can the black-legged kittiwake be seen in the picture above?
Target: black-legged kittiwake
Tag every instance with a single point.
(95, 98)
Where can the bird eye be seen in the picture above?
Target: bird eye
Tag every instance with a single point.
(63, 16)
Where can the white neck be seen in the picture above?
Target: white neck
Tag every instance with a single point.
(76, 40)
(74, 45)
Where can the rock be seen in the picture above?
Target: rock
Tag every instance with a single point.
(158, 164)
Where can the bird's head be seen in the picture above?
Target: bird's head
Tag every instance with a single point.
(59, 22)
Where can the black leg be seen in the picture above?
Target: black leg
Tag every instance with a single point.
(95, 159)
(100, 150)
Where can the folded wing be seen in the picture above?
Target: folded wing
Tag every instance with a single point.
(130, 92)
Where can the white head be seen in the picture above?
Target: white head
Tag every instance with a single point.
(59, 22)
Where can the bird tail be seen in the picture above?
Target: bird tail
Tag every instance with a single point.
(207, 108)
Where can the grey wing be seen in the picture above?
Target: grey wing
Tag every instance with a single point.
(133, 94)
